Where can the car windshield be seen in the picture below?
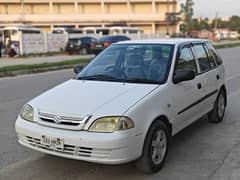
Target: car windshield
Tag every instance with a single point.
(133, 63)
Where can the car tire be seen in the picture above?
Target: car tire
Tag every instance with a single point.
(155, 145)
(83, 51)
(217, 114)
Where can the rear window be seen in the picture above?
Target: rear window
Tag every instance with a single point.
(202, 57)
(210, 57)
(106, 38)
(123, 38)
(215, 54)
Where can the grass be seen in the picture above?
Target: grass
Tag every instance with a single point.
(35, 67)
(222, 46)
(41, 54)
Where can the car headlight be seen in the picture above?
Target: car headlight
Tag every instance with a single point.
(111, 124)
(27, 113)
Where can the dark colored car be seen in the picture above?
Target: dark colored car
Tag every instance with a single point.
(106, 41)
(80, 45)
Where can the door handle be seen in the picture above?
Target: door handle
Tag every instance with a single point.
(199, 86)
(218, 77)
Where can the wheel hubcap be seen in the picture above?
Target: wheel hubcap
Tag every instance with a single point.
(159, 146)
(221, 105)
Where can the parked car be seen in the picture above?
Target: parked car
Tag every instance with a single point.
(80, 45)
(127, 103)
(106, 41)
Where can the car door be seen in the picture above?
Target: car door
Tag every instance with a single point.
(209, 76)
(186, 95)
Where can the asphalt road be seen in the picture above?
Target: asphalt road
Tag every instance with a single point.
(202, 151)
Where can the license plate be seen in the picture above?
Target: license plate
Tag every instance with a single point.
(99, 45)
(53, 142)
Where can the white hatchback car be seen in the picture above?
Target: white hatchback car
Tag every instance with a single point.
(126, 104)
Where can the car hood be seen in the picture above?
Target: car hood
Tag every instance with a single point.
(78, 98)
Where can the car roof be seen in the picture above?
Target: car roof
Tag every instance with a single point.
(87, 37)
(172, 41)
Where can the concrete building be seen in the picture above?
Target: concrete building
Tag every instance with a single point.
(146, 14)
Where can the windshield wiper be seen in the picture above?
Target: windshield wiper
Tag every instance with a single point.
(101, 77)
(145, 81)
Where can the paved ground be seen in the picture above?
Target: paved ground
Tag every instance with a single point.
(38, 60)
(202, 151)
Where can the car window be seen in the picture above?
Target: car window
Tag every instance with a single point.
(140, 63)
(148, 55)
(186, 60)
(122, 38)
(105, 38)
(88, 40)
(214, 53)
(119, 38)
(202, 58)
(83, 40)
(106, 60)
(211, 57)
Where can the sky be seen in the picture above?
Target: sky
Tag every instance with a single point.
(209, 8)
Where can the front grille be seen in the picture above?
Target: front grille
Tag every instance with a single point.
(67, 123)
(68, 149)
(61, 120)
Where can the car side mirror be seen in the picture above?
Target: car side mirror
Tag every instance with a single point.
(77, 69)
(183, 75)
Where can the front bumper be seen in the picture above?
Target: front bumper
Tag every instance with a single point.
(104, 148)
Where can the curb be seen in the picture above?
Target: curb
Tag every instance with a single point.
(35, 70)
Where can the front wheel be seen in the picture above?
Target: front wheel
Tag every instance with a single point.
(217, 114)
(155, 148)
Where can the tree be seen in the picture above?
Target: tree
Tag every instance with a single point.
(187, 10)
(220, 24)
(204, 24)
(199, 25)
(195, 25)
(234, 23)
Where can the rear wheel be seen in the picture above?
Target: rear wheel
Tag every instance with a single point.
(217, 114)
(155, 148)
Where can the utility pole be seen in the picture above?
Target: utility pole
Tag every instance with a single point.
(216, 21)
(22, 11)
